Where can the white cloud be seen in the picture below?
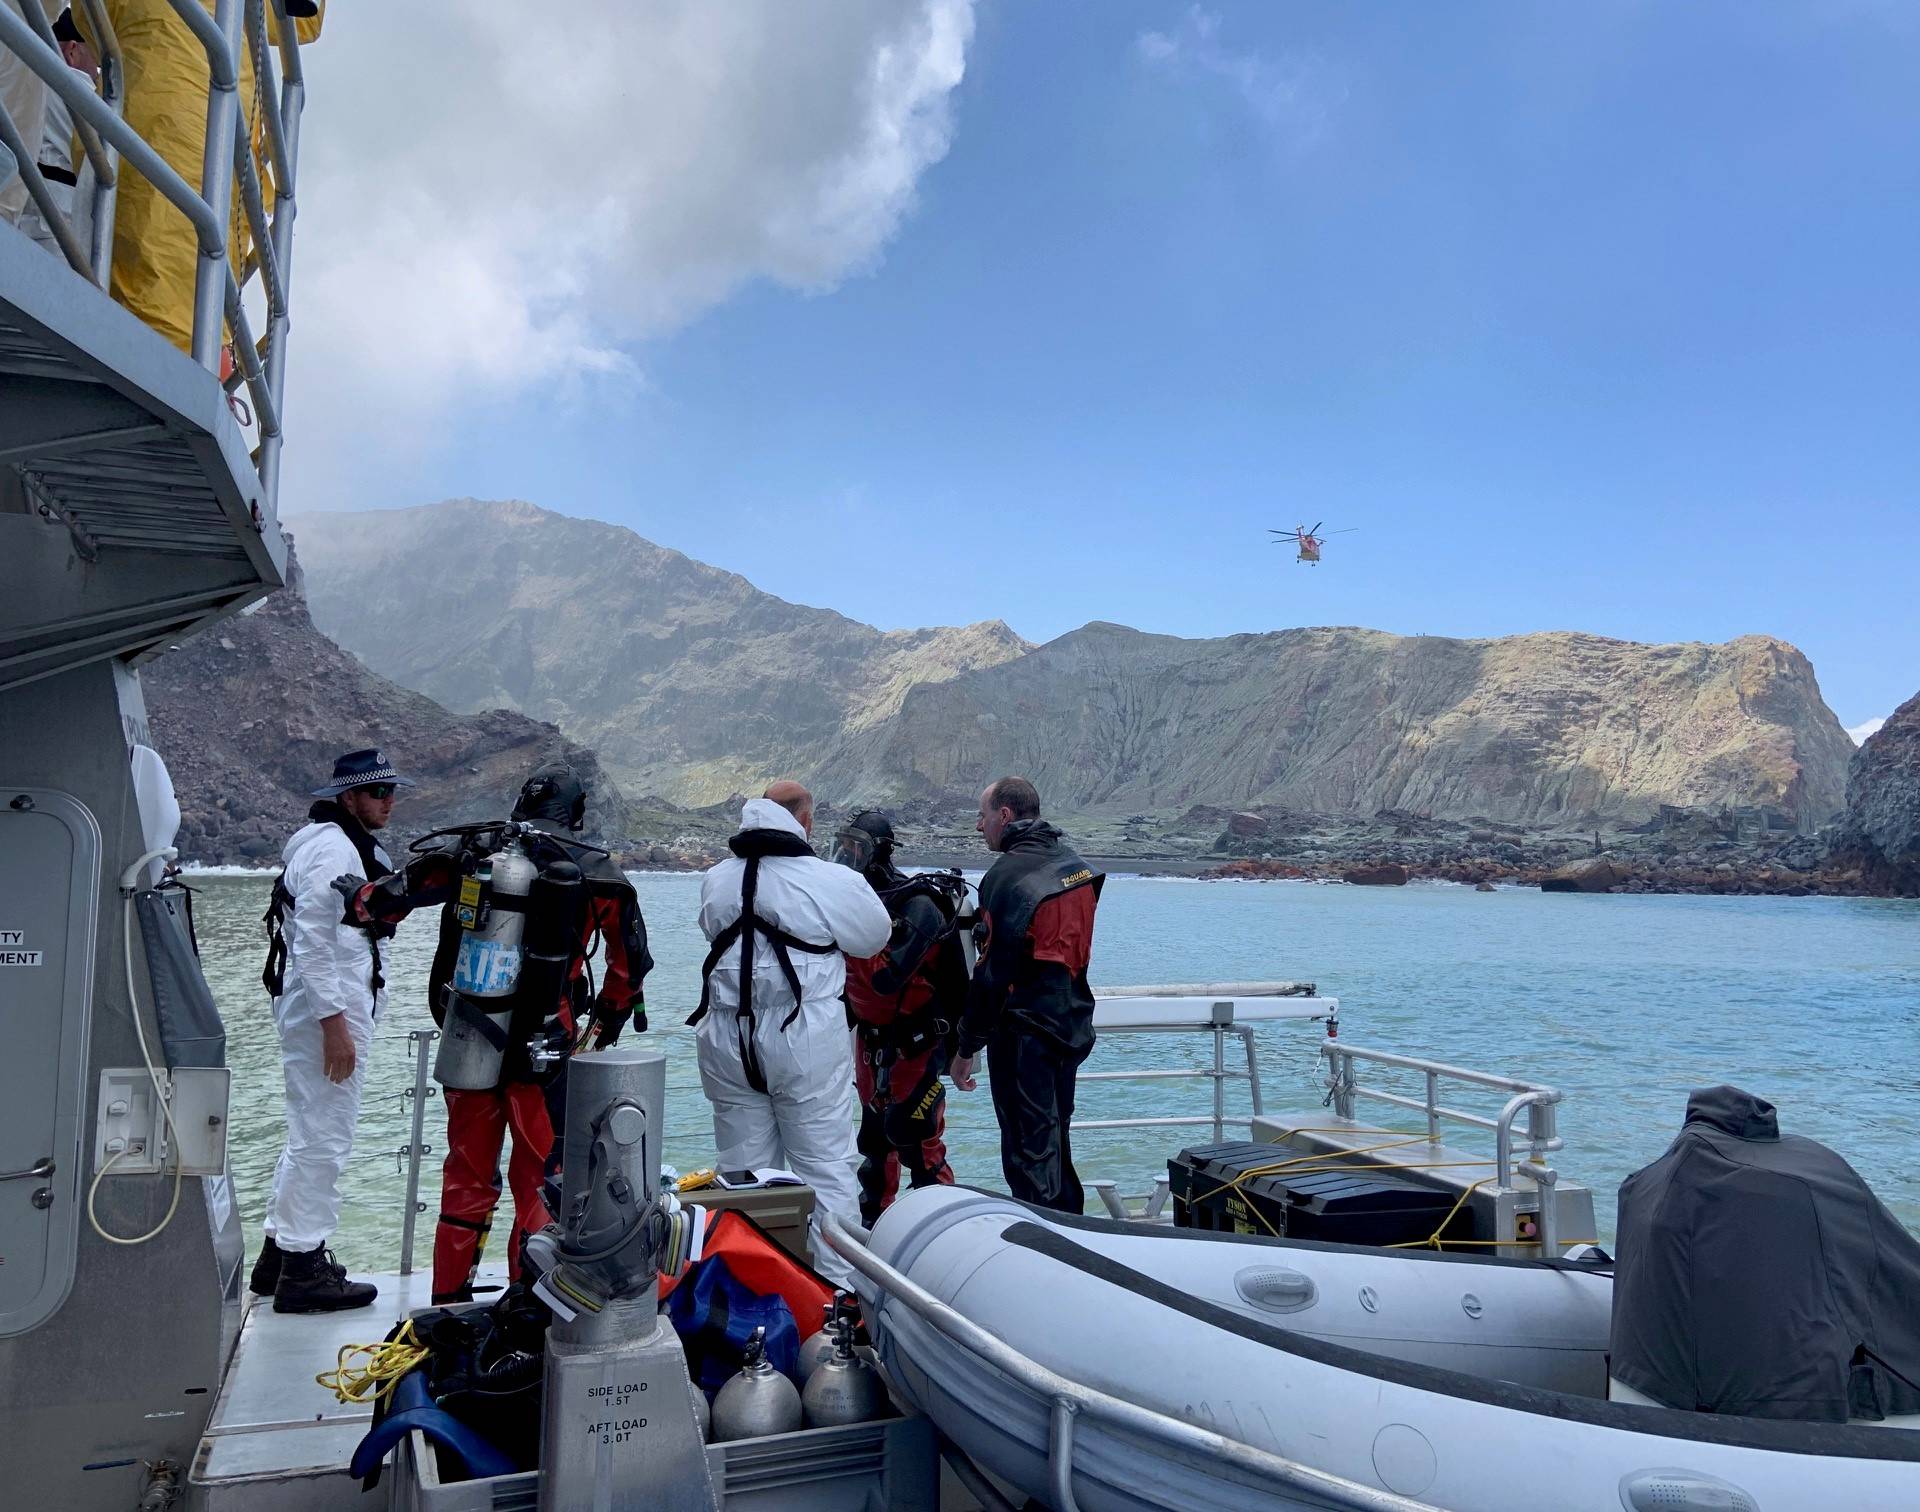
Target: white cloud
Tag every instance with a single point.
(1291, 93)
(1866, 727)
(491, 207)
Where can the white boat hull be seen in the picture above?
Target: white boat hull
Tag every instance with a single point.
(1451, 1438)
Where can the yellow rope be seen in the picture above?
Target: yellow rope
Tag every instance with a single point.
(1433, 1239)
(1457, 1243)
(374, 1380)
(1332, 1161)
(1335, 1162)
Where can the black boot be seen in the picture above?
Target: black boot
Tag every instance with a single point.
(314, 1282)
(266, 1270)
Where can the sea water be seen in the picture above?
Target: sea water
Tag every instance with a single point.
(1624, 1003)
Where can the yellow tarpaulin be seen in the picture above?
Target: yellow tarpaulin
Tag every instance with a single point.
(155, 251)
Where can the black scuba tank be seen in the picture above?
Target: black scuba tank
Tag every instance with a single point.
(556, 924)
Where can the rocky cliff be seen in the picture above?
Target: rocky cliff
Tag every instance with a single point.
(250, 715)
(1532, 729)
(689, 681)
(1881, 828)
(693, 684)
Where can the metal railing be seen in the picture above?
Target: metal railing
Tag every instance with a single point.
(1069, 1400)
(1149, 1206)
(1152, 1205)
(416, 1149)
(227, 165)
(1537, 1100)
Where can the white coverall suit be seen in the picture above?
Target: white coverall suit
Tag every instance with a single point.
(329, 970)
(804, 1121)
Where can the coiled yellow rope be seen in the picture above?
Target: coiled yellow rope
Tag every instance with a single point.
(373, 1380)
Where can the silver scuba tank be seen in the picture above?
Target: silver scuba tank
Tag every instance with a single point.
(488, 965)
(756, 1402)
(845, 1388)
(819, 1348)
(479, 1007)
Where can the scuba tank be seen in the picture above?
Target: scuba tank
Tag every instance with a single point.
(756, 1402)
(493, 915)
(556, 920)
(844, 1389)
(819, 1349)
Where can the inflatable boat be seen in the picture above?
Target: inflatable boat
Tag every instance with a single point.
(1459, 1382)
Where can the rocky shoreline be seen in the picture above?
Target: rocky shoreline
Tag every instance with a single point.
(1377, 857)
(1741, 852)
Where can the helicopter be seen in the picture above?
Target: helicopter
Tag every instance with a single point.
(1309, 541)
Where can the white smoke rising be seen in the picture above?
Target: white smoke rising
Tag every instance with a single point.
(1864, 729)
(497, 197)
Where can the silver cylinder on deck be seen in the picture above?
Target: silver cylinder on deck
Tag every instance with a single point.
(595, 1081)
(620, 1429)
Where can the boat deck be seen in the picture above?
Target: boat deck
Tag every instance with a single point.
(274, 1426)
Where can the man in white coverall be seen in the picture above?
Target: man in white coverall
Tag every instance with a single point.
(776, 1060)
(324, 973)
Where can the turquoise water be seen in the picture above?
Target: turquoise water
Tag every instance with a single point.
(1623, 1002)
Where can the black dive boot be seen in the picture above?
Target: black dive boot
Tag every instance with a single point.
(314, 1282)
(266, 1270)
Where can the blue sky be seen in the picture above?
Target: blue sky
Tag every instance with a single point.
(1599, 317)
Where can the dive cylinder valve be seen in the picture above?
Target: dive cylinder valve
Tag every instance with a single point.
(845, 1388)
(820, 1347)
(758, 1401)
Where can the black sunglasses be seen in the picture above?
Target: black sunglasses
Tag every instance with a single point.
(379, 789)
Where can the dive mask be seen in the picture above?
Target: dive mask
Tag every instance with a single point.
(854, 848)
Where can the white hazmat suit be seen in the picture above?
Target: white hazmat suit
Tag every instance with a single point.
(329, 970)
(804, 1121)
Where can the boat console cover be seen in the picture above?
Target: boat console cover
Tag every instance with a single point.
(1759, 1275)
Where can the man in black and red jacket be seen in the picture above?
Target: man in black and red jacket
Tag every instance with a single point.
(1030, 1007)
(905, 1002)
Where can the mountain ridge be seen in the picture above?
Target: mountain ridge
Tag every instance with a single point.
(694, 684)
(250, 715)
(667, 666)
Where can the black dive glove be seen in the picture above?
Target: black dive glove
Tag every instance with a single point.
(350, 885)
(424, 881)
(610, 1022)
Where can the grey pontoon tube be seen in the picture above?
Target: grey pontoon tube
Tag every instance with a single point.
(1068, 1400)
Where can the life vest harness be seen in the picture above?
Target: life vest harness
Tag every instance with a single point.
(752, 846)
(273, 975)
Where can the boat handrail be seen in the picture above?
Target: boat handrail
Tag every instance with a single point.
(1069, 1399)
(1211, 989)
(1536, 1099)
(1217, 1009)
(227, 163)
